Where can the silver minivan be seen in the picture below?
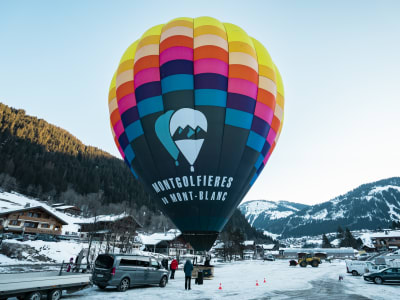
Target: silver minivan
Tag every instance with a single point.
(125, 271)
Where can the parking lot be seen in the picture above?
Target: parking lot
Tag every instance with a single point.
(239, 281)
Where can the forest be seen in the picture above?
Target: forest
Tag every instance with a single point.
(47, 162)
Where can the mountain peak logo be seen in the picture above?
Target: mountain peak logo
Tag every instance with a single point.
(182, 131)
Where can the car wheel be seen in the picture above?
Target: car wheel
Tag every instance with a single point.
(303, 264)
(34, 296)
(102, 287)
(314, 264)
(163, 281)
(378, 280)
(123, 285)
(54, 294)
(354, 273)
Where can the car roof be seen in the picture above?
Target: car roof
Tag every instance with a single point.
(125, 255)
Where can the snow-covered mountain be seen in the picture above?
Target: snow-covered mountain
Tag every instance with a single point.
(369, 206)
(260, 212)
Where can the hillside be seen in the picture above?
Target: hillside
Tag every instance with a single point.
(259, 213)
(44, 161)
(369, 206)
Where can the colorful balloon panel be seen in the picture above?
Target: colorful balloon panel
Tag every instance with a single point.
(196, 108)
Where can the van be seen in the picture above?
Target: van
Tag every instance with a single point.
(125, 271)
(356, 267)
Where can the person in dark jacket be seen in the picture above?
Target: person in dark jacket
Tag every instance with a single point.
(164, 263)
(173, 267)
(188, 268)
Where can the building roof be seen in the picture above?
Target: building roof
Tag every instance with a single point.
(107, 218)
(156, 238)
(268, 246)
(67, 207)
(10, 211)
(385, 234)
(248, 243)
(341, 250)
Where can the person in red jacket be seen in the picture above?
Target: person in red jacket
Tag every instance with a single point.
(173, 267)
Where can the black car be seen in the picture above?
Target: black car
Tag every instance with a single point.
(46, 238)
(385, 275)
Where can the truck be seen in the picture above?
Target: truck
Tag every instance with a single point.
(356, 267)
(33, 285)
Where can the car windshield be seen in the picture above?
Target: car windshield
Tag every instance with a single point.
(104, 261)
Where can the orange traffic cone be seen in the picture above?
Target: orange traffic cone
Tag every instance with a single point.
(264, 281)
(256, 282)
(220, 287)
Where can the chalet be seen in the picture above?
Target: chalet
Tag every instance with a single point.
(169, 243)
(249, 248)
(386, 240)
(121, 229)
(35, 220)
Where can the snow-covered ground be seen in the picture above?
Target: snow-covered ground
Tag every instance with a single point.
(238, 281)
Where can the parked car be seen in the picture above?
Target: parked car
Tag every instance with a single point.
(18, 237)
(46, 238)
(29, 237)
(125, 271)
(7, 236)
(385, 275)
(269, 257)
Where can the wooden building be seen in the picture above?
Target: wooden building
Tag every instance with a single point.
(170, 243)
(386, 240)
(120, 230)
(32, 220)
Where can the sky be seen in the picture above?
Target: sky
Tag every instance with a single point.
(339, 62)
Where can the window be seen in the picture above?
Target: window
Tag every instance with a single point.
(129, 263)
(45, 226)
(30, 214)
(154, 263)
(104, 261)
(14, 222)
(31, 225)
(144, 263)
(57, 228)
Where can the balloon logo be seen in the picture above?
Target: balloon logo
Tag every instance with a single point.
(184, 127)
(196, 109)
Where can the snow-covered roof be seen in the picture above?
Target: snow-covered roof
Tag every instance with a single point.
(156, 238)
(67, 207)
(8, 211)
(248, 243)
(268, 246)
(342, 250)
(104, 218)
(385, 234)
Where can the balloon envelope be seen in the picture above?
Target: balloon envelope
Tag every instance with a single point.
(196, 108)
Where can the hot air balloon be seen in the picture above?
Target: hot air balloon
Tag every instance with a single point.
(196, 109)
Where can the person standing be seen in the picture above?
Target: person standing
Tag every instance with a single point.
(70, 265)
(173, 267)
(188, 268)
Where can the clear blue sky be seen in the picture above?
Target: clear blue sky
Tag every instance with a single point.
(340, 63)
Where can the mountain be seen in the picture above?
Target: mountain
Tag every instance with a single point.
(259, 213)
(369, 206)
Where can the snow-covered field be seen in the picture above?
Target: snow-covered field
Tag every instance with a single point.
(238, 281)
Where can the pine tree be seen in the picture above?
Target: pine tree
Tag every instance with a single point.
(340, 233)
(349, 240)
(325, 242)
